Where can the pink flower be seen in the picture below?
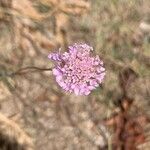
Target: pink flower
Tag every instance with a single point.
(78, 70)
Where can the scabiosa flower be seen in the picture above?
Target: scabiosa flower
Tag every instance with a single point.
(78, 70)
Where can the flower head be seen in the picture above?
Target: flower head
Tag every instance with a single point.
(78, 70)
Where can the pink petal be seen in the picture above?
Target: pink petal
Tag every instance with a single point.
(56, 72)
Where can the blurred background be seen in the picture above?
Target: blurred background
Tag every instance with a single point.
(36, 113)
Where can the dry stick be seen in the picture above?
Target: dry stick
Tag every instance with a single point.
(12, 133)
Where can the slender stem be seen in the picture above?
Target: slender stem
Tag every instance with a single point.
(26, 70)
